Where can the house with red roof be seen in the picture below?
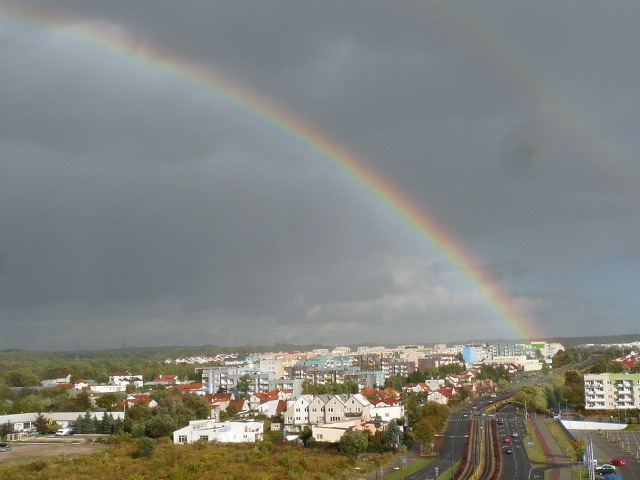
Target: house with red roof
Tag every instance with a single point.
(194, 387)
(166, 380)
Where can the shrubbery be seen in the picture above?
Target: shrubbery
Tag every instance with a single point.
(146, 447)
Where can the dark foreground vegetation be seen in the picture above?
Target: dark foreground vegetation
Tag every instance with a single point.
(138, 459)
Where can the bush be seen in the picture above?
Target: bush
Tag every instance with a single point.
(146, 447)
(353, 442)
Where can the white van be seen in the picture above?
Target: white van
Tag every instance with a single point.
(64, 431)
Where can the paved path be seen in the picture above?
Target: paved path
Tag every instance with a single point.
(560, 465)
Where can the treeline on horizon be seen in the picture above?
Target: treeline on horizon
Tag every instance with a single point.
(177, 351)
(28, 368)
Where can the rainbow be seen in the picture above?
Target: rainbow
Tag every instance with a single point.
(286, 123)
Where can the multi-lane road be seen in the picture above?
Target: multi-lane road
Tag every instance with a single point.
(515, 465)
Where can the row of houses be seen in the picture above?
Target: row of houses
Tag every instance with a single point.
(328, 416)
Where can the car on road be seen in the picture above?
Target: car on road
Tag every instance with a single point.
(506, 440)
(508, 451)
(514, 434)
(618, 461)
(5, 447)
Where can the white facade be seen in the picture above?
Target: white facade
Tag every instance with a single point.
(268, 408)
(126, 378)
(297, 414)
(386, 412)
(227, 432)
(357, 406)
(108, 388)
(26, 421)
(317, 412)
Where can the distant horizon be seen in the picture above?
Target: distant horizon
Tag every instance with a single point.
(350, 345)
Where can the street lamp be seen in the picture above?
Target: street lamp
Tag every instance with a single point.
(452, 437)
(525, 407)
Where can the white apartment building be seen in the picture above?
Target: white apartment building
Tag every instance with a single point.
(611, 391)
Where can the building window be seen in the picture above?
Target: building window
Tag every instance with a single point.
(205, 438)
(182, 439)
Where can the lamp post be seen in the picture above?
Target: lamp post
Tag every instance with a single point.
(526, 415)
(452, 437)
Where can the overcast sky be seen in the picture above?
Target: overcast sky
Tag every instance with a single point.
(139, 207)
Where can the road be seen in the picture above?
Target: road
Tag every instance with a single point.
(450, 451)
(515, 465)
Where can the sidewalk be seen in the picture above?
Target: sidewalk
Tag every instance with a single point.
(559, 464)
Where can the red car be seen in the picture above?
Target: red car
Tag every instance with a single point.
(617, 461)
(506, 440)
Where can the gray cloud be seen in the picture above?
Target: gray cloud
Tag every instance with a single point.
(138, 206)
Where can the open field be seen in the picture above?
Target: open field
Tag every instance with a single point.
(29, 451)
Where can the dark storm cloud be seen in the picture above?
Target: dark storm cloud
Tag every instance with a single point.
(139, 200)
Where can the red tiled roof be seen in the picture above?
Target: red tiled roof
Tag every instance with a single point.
(165, 378)
(282, 406)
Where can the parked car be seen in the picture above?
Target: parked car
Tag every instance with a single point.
(64, 431)
(5, 447)
(618, 461)
(604, 469)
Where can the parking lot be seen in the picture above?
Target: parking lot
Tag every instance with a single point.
(27, 451)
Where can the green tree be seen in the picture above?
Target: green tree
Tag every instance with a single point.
(395, 381)
(107, 401)
(394, 434)
(81, 402)
(573, 391)
(161, 425)
(197, 406)
(416, 377)
(87, 425)
(139, 413)
(436, 412)
(20, 378)
(41, 423)
(106, 424)
(578, 449)
(353, 442)
(244, 385)
(534, 397)
(546, 368)
(229, 413)
(424, 431)
(146, 447)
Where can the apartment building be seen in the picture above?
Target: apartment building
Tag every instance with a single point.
(611, 391)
